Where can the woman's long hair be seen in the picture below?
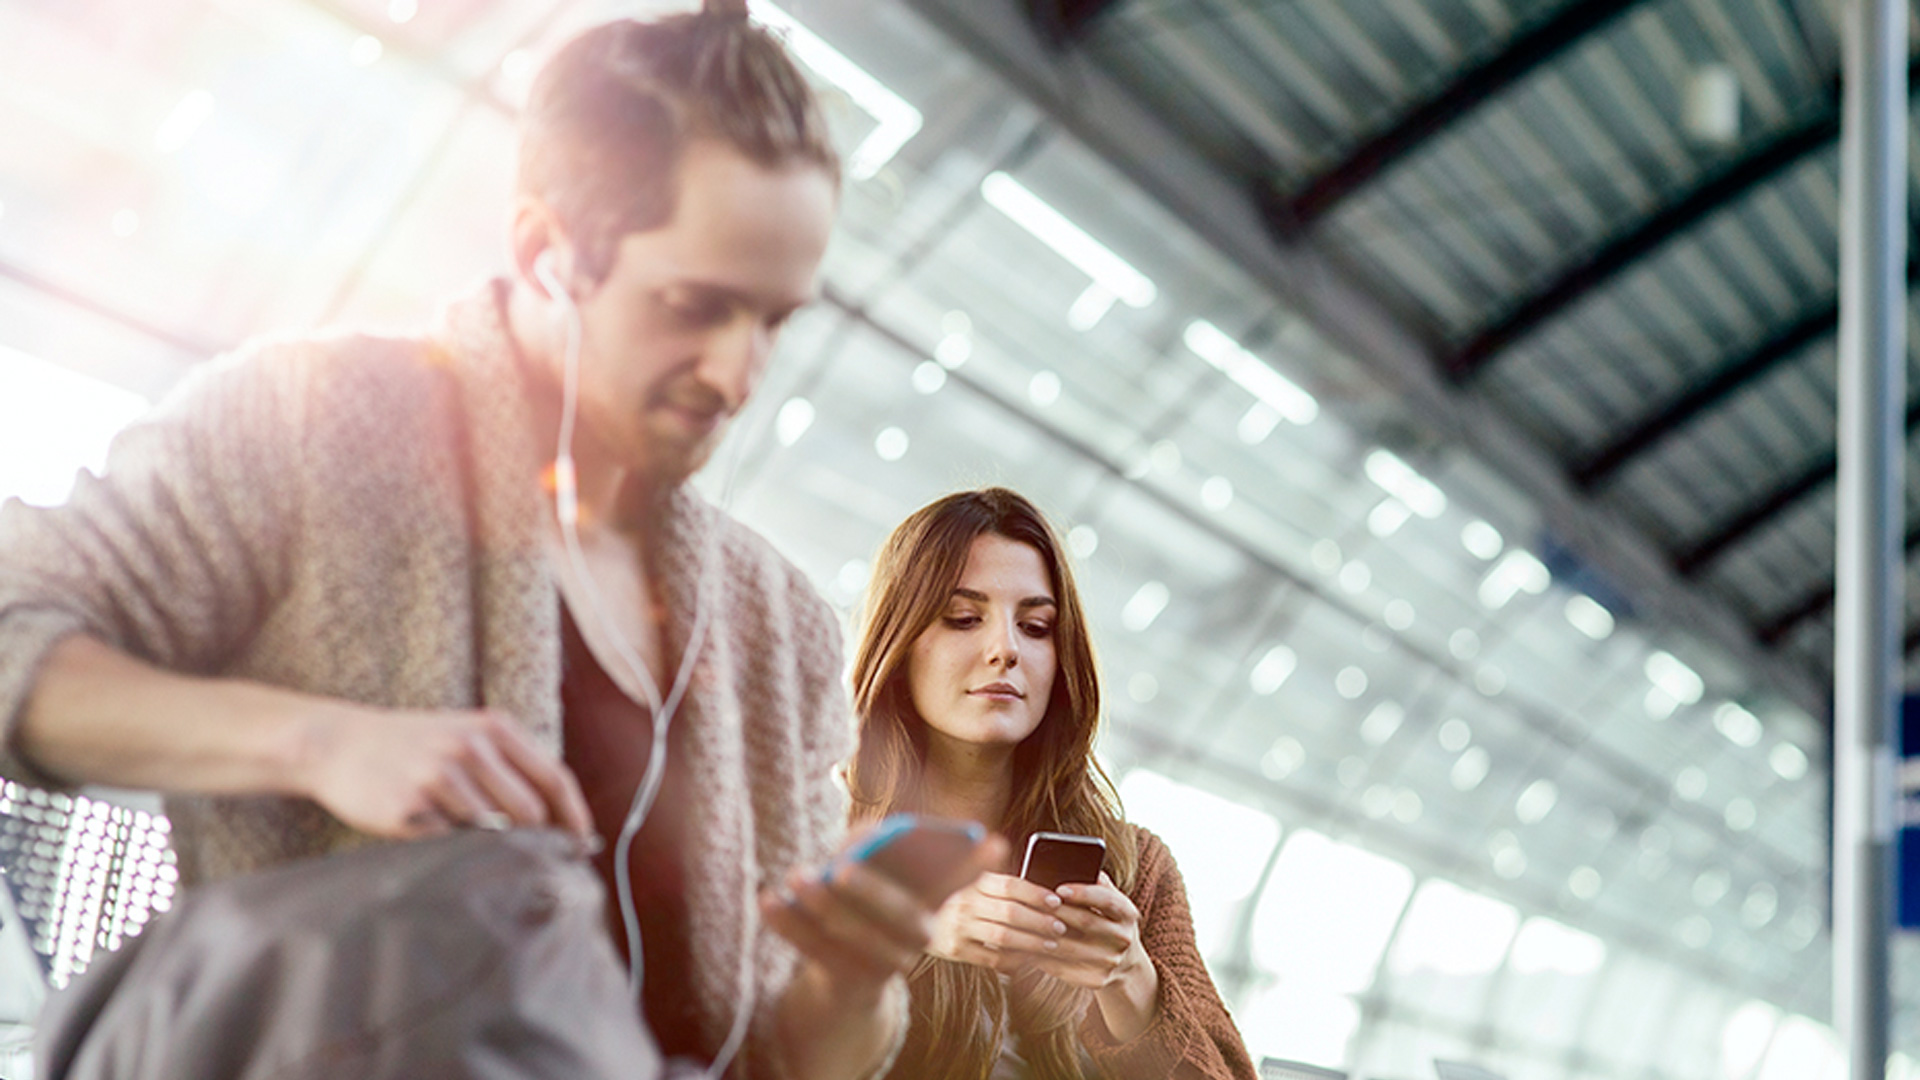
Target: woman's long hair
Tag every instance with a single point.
(961, 1012)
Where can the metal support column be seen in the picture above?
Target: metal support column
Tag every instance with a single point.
(1872, 453)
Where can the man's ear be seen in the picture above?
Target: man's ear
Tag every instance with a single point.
(542, 255)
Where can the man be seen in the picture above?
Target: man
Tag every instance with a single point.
(324, 593)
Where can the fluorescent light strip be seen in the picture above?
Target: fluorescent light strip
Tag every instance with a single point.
(897, 120)
(1400, 480)
(1052, 228)
(1251, 373)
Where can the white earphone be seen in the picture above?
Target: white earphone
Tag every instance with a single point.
(566, 498)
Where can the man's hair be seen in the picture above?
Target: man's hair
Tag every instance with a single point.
(612, 113)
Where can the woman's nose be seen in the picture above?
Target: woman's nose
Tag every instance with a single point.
(1003, 646)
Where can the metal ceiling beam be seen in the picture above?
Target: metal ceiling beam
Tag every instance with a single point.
(1821, 598)
(1062, 23)
(1816, 602)
(1224, 210)
(1466, 93)
(1694, 559)
(1724, 384)
(1717, 191)
(1691, 561)
(1728, 381)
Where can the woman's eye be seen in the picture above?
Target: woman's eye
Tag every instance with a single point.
(1037, 630)
(962, 622)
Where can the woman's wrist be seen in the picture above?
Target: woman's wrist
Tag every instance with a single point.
(1129, 1004)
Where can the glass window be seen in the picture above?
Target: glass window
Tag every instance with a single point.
(1449, 945)
(54, 421)
(1222, 848)
(1744, 1038)
(1326, 913)
(1301, 1024)
(1803, 1049)
(1550, 977)
(1631, 1014)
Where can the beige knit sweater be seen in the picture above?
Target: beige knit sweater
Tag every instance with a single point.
(361, 518)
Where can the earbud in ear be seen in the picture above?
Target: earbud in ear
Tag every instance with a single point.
(547, 276)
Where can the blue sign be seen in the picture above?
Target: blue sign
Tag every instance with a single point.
(1907, 854)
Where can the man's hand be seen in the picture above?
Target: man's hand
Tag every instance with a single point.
(416, 772)
(857, 931)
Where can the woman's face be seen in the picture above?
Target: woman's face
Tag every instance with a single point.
(982, 673)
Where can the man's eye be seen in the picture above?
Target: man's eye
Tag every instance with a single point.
(694, 310)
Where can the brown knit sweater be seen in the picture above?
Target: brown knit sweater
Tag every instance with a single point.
(1191, 1036)
(362, 518)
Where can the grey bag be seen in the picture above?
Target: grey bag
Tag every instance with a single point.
(478, 954)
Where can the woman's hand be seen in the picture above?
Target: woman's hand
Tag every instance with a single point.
(1103, 953)
(999, 922)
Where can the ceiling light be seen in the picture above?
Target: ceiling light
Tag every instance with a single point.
(365, 51)
(1587, 616)
(1217, 493)
(1690, 783)
(1282, 758)
(185, 119)
(1350, 683)
(1516, 572)
(1399, 480)
(1789, 761)
(896, 121)
(1398, 614)
(793, 420)
(1381, 723)
(929, 377)
(402, 11)
(1679, 681)
(1068, 240)
(1251, 373)
(1271, 672)
(1385, 519)
(891, 444)
(1146, 604)
(1482, 540)
(1469, 769)
(1257, 423)
(1143, 687)
(1741, 727)
(1083, 540)
(1090, 307)
(1043, 389)
(1536, 801)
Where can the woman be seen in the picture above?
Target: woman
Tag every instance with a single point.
(978, 699)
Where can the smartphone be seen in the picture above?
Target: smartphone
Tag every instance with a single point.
(1056, 859)
(927, 855)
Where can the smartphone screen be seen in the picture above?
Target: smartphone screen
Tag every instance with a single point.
(927, 855)
(1056, 859)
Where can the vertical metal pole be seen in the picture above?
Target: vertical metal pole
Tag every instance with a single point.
(1869, 575)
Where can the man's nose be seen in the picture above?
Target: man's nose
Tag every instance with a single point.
(734, 359)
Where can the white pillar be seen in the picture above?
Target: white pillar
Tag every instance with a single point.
(1870, 571)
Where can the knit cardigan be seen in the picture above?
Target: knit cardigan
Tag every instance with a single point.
(362, 518)
(1191, 1037)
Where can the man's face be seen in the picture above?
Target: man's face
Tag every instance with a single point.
(678, 335)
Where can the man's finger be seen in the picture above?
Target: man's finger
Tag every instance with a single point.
(556, 784)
